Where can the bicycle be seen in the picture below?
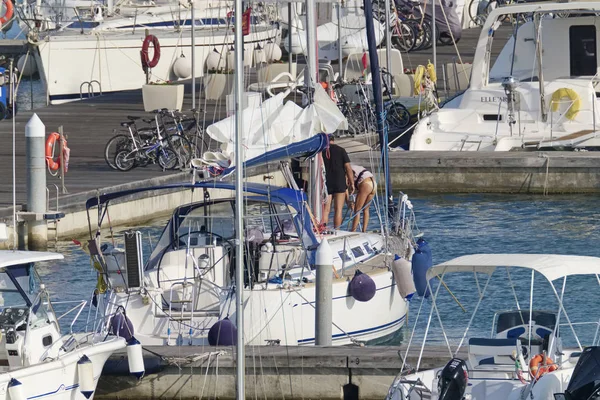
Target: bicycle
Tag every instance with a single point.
(191, 128)
(137, 154)
(397, 114)
(116, 143)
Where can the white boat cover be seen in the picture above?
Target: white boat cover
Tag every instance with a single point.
(552, 266)
(274, 124)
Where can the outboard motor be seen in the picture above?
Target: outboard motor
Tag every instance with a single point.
(452, 382)
(585, 381)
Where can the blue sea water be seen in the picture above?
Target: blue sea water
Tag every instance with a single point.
(454, 225)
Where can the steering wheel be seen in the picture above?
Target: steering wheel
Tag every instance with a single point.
(205, 233)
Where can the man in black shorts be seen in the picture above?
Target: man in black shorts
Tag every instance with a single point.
(339, 177)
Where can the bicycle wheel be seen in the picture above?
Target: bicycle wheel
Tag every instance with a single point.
(428, 31)
(167, 159)
(182, 148)
(113, 146)
(403, 37)
(423, 33)
(398, 115)
(124, 160)
(196, 137)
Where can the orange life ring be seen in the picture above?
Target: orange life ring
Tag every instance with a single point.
(537, 367)
(146, 61)
(52, 161)
(8, 12)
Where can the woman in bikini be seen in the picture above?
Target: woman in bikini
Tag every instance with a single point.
(364, 182)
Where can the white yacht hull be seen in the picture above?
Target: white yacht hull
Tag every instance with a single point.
(285, 316)
(522, 101)
(498, 387)
(59, 379)
(71, 66)
(282, 312)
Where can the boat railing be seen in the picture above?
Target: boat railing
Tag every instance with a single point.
(79, 307)
(595, 324)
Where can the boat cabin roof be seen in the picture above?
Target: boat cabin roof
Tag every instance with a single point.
(10, 258)
(552, 266)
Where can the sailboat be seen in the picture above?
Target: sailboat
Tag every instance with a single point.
(185, 292)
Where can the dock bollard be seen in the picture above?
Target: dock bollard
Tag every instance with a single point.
(35, 137)
(323, 295)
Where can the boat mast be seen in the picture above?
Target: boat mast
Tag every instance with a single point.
(434, 34)
(193, 43)
(239, 203)
(310, 79)
(376, 81)
(537, 21)
(388, 45)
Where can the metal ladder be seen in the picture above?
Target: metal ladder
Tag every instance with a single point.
(52, 224)
(186, 312)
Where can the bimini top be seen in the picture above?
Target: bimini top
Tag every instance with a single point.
(552, 266)
(276, 193)
(9, 258)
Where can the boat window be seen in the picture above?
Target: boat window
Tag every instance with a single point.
(269, 218)
(582, 50)
(344, 256)
(218, 221)
(357, 251)
(24, 276)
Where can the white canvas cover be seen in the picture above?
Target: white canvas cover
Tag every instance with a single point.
(274, 124)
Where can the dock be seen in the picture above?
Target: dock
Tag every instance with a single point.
(272, 372)
(13, 47)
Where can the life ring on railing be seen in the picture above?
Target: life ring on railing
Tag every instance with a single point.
(567, 93)
(537, 367)
(52, 161)
(146, 61)
(8, 12)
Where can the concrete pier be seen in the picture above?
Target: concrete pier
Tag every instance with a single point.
(272, 372)
(555, 172)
